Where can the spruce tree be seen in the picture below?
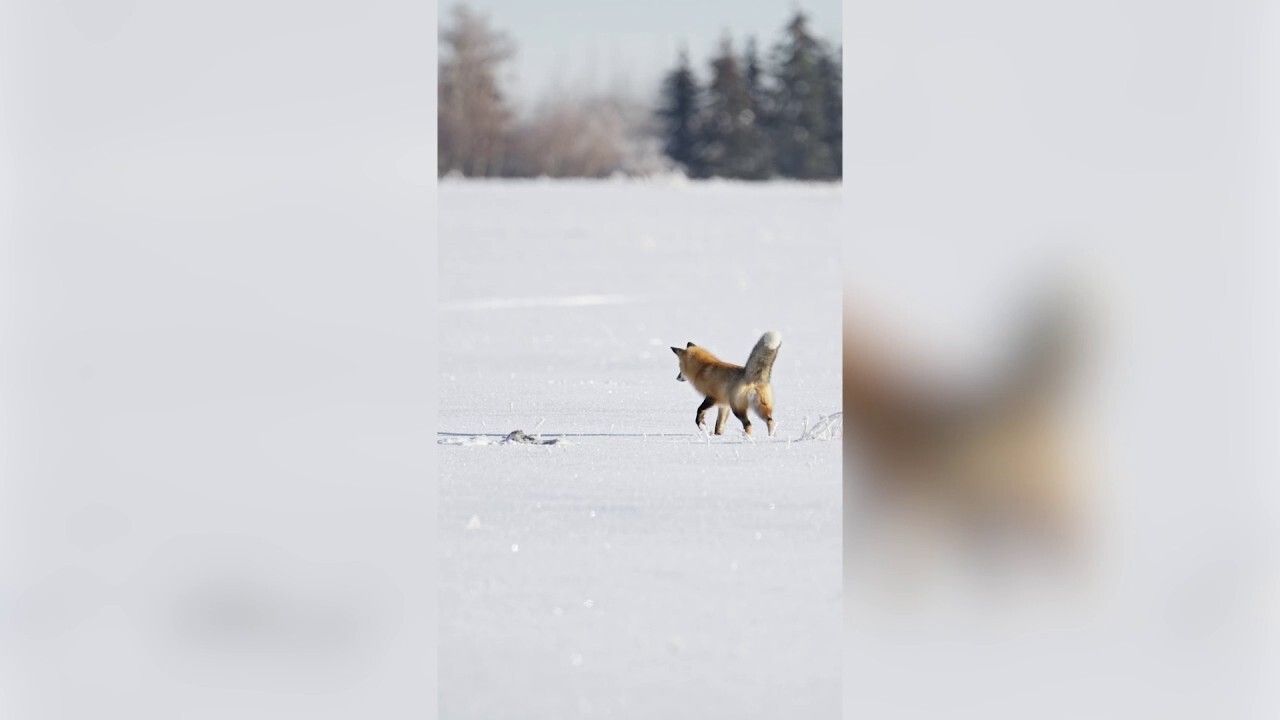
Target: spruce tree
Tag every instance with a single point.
(801, 132)
(754, 72)
(761, 102)
(733, 144)
(755, 80)
(679, 115)
(833, 106)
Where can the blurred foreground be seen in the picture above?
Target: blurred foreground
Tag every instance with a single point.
(954, 475)
(1132, 145)
(1052, 500)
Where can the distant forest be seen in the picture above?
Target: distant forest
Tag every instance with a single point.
(751, 119)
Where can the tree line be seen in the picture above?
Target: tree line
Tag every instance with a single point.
(753, 121)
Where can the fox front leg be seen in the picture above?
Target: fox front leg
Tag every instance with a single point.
(702, 411)
(721, 417)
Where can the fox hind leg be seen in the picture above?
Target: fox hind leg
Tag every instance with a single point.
(702, 411)
(764, 405)
(721, 418)
(741, 414)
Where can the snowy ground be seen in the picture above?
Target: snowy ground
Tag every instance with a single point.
(636, 568)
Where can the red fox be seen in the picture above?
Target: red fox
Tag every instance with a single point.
(729, 386)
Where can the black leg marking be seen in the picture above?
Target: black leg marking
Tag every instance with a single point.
(742, 417)
(702, 410)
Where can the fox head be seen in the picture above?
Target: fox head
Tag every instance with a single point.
(681, 353)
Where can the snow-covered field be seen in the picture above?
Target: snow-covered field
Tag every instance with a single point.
(636, 567)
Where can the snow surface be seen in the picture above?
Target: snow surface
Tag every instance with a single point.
(636, 567)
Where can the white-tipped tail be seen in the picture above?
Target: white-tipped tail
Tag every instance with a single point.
(760, 362)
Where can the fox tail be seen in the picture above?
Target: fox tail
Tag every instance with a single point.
(1050, 350)
(760, 363)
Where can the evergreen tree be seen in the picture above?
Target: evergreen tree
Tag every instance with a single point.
(801, 128)
(833, 106)
(733, 145)
(679, 115)
(761, 101)
(755, 81)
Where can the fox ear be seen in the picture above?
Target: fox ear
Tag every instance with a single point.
(689, 345)
(676, 350)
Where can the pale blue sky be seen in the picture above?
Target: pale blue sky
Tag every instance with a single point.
(595, 45)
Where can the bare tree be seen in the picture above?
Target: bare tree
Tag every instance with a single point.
(473, 118)
(570, 138)
(566, 135)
